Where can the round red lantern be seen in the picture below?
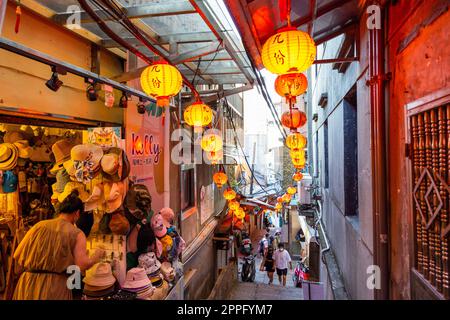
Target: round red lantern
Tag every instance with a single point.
(229, 194)
(220, 178)
(293, 119)
(298, 176)
(291, 85)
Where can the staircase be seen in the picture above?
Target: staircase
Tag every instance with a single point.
(260, 291)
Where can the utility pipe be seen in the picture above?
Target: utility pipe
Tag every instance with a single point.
(379, 156)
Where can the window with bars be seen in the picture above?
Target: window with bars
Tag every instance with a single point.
(430, 155)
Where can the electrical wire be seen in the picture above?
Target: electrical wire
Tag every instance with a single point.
(241, 148)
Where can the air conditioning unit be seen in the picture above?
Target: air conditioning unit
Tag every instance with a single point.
(304, 195)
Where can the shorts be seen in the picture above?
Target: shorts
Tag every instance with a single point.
(282, 272)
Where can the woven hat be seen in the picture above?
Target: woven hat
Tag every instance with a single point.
(114, 194)
(8, 156)
(86, 161)
(168, 216)
(138, 200)
(119, 224)
(24, 148)
(149, 262)
(95, 199)
(69, 187)
(158, 225)
(100, 275)
(61, 152)
(136, 278)
(62, 178)
(98, 292)
(115, 165)
(161, 292)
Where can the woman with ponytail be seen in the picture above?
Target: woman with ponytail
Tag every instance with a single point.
(47, 251)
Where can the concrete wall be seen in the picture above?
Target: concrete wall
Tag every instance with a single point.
(22, 81)
(418, 52)
(350, 236)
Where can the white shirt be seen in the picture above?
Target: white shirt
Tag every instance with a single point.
(282, 258)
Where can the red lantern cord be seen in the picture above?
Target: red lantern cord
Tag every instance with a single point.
(18, 15)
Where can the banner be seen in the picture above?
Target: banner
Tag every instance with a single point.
(144, 145)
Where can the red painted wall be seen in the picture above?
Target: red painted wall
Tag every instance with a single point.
(421, 68)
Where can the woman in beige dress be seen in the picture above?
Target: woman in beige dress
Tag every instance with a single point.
(48, 249)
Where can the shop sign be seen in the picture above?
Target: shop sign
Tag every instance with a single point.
(147, 146)
(2, 14)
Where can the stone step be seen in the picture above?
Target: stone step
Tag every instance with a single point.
(258, 291)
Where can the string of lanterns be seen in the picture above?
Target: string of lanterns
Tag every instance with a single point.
(288, 54)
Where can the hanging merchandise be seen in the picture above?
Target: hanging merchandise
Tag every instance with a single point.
(295, 141)
(85, 160)
(162, 81)
(9, 154)
(61, 151)
(293, 119)
(298, 176)
(288, 51)
(18, 16)
(220, 178)
(229, 194)
(290, 86)
(198, 115)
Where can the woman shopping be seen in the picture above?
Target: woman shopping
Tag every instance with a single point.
(48, 249)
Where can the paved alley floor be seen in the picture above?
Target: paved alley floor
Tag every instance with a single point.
(259, 291)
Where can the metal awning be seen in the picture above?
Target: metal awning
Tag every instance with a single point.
(257, 20)
(195, 35)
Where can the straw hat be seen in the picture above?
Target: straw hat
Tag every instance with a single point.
(87, 152)
(149, 262)
(115, 165)
(25, 150)
(114, 194)
(95, 199)
(167, 271)
(119, 224)
(158, 225)
(69, 187)
(8, 156)
(161, 292)
(100, 275)
(61, 151)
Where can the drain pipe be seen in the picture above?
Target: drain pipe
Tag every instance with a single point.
(379, 154)
(320, 223)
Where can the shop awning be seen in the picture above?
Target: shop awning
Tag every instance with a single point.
(196, 36)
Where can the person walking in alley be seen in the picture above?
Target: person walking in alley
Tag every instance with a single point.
(264, 245)
(268, 264)
(282, 258)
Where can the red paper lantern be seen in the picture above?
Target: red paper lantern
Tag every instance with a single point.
(293, 119)
(291, 85)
